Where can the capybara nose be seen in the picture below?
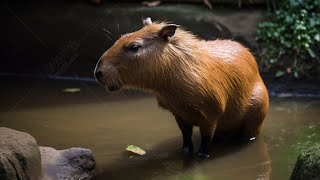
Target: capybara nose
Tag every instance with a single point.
(98, 75)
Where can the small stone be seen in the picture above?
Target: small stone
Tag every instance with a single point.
(73, 163)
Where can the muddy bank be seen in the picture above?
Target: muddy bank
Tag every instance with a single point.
(49, 39)
(291, 87)
(61, 38)
(284, 87)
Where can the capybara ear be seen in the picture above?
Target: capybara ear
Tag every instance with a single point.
(147, 21)
(168, 31)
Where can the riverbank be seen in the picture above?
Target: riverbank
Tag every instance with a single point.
(47, 39)
(306, 88)
(61, 38)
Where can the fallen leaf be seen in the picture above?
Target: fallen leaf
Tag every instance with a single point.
(71, 90)
(135, 149)
(151, 3)
(285, 95)
(279, 74)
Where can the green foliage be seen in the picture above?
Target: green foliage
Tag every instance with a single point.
(291, 38)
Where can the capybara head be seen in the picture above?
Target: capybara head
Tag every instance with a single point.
(137, 59)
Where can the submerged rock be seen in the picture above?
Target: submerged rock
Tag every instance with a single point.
(19, 155)
(73, 163)
(308, 165)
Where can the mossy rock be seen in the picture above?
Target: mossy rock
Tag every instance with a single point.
(308, 165)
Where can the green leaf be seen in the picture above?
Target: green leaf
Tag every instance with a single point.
(280, 73)
(135, 149)
(71, 90)
(311, 53)
(317, 37)
(293, 27)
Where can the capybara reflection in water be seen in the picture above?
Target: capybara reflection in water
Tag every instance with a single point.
(215, 84)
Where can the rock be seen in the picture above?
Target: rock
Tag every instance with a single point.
(21, 158)
(73, 163)
(308, 165)
(19, 155)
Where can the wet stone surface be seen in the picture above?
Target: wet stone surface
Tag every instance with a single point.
(73, 163)
(19, 155)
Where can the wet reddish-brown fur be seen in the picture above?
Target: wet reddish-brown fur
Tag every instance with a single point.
(215, 84)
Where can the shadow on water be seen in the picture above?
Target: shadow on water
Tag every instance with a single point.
(37, 93)
(165, 161)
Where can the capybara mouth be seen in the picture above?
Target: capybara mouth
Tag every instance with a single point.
(113, 88)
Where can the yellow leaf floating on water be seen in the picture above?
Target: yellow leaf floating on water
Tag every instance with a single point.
(71, 90)
(135, 149)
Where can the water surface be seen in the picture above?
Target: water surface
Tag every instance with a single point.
(107, 123)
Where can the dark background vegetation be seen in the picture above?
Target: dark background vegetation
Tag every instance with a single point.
(60, 38)
(291, 38)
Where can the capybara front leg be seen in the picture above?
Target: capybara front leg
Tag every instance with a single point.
(186, 130)
(207, 129)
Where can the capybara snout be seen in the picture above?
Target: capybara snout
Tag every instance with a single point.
(107, 76)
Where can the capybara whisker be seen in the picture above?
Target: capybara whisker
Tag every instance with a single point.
(107, 31)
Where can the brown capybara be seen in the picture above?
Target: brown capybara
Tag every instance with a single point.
(215, 84)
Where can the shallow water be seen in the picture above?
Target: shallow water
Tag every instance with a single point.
(107, 123)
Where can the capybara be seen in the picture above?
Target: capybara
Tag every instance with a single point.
(214, 84)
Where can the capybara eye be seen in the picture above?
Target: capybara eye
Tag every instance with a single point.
(134, 47)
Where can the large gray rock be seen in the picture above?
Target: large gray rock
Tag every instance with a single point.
(19, 156)
(73, 163)
(308, 165)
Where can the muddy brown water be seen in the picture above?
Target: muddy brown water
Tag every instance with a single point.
(107, 123)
